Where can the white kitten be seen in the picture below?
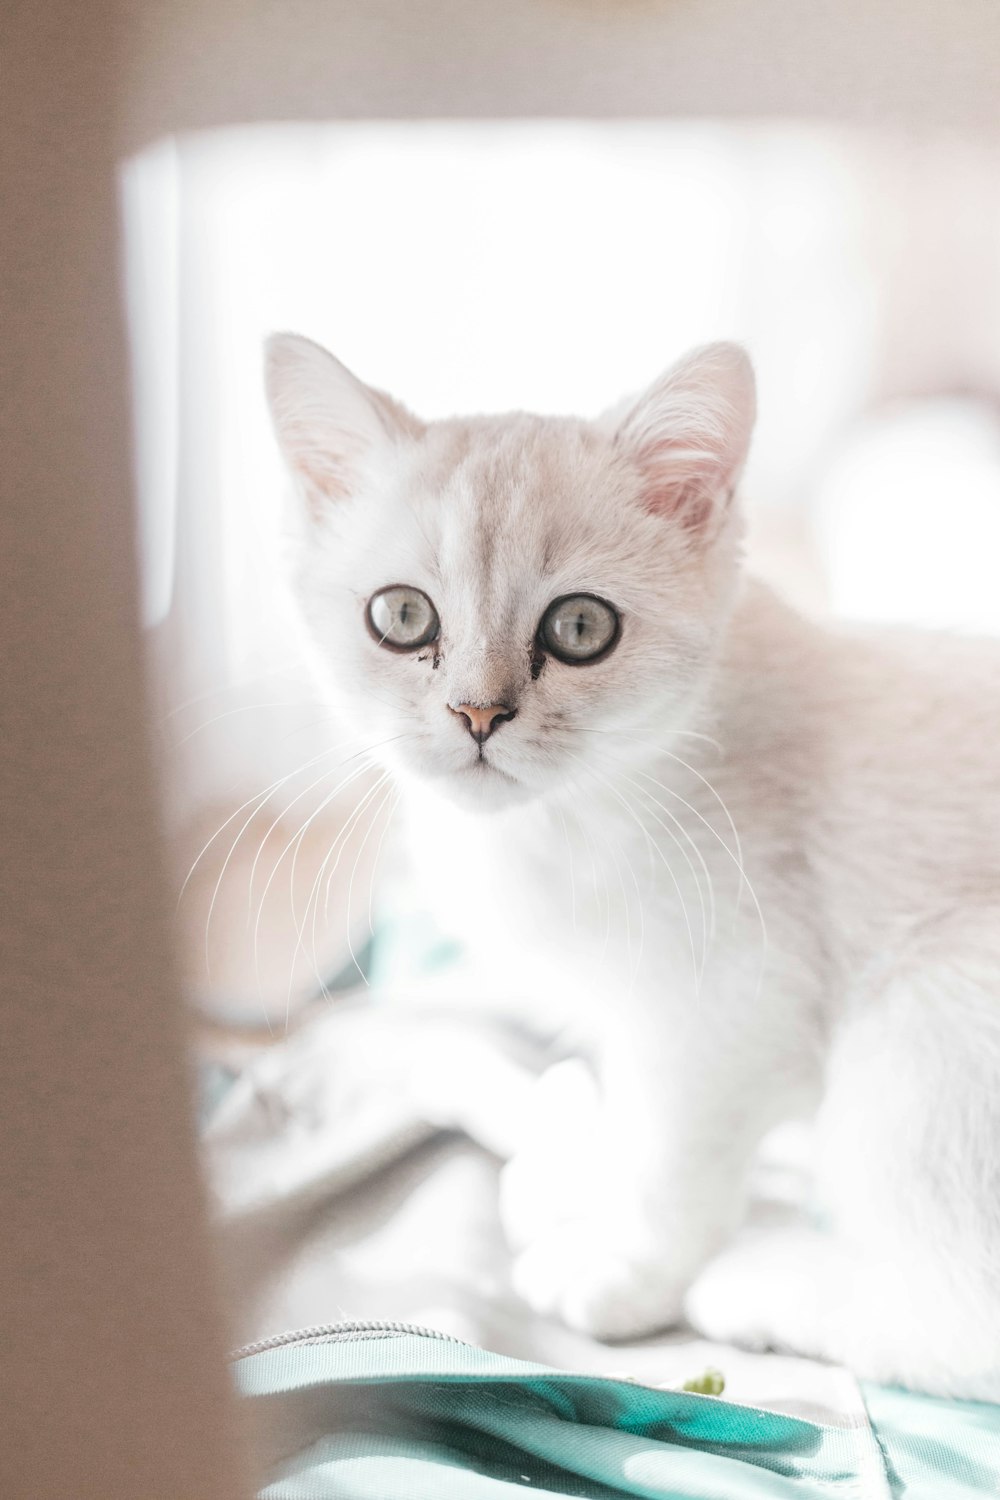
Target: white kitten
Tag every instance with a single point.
(621, 761)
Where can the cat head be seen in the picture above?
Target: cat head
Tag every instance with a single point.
(506, 604)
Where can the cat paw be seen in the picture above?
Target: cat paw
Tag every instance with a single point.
(765, 1292)
(595, 1282)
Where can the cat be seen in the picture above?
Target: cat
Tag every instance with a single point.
(755, 856)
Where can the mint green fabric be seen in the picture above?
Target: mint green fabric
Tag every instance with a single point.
(405, 1417)
(935, 1449)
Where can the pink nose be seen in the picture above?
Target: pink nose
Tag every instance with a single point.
(481, 722)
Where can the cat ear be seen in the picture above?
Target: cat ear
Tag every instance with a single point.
(689, 434)
(328, 424)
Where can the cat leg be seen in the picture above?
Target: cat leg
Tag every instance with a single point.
(905, 1289)
(614, 1218)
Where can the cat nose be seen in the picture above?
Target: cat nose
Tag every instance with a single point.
(481, 722)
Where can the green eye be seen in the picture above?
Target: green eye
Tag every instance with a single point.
(402, 617)
(579, 628)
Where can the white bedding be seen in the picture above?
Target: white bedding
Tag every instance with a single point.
(355, 1168)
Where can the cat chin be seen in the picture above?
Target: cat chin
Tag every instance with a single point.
(484, 789)
(481, 788)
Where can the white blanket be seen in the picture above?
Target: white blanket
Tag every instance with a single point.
(355, 1168)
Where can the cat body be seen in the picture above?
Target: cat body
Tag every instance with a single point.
(753, 861)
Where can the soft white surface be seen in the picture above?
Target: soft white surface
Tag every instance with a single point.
(355, 1170)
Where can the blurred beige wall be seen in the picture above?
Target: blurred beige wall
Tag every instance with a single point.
(114, 1385)
(912, 62)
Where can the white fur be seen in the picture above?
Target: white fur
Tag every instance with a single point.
(843, 954)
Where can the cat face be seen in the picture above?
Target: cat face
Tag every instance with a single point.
(504, 604)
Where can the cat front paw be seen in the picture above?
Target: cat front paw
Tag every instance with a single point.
(591, 1278)
(764, 1292)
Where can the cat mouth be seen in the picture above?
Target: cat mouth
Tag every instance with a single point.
(481, 767)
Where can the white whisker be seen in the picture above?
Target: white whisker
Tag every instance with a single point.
(688, 734)
(257, 797)
(708, 914)
(261, 801)
(666, 863)
(366, 750)
(228, 687)
(708, 917)
(243, 708)
(312, 899)
(735, 855)
(397, 798)
(295, 843)
(383, 801)
(337, 848)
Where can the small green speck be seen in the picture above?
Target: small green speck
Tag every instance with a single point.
(709, 1383)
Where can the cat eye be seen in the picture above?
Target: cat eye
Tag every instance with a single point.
(579, 628)
(402, 617)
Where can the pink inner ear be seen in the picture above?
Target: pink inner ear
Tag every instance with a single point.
(689, 434)
(325, 461)
(325, 419)
(683, 483)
